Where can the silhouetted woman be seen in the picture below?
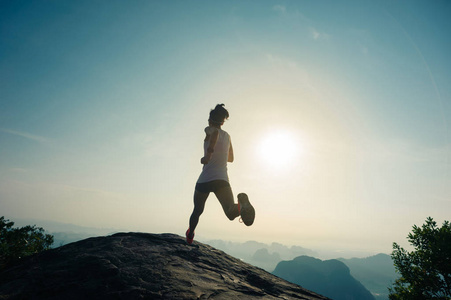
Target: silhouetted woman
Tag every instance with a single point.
(218, 152)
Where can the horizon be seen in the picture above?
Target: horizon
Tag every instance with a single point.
(82, 232)
(339, 116)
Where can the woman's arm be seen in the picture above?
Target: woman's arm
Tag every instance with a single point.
(212, 137)
(230, 158)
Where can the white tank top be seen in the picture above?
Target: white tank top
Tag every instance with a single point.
(216, 169)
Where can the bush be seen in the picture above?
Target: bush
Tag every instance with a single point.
(16, 243)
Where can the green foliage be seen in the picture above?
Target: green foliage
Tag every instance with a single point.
(16, 243)
(426, 271)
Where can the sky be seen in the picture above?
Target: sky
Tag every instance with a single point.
(340, 115)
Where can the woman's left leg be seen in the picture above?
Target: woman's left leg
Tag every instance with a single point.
(199, 205)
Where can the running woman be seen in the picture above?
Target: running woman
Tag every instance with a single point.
(218, 152)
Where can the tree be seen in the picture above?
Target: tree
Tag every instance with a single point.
(16, 243)
(426, 271)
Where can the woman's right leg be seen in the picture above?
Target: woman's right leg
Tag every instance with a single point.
(199, 205)
(225, 197)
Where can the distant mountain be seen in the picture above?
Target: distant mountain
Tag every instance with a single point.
(331, 278)
(265, 256)
(63, 238)
(141, 266)
(376, 273)
(52, 226)
(65, 233)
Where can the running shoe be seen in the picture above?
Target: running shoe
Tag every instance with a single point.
(247, 211)
(189, 237)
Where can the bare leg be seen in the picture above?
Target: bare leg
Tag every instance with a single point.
(225, 197)
(199, 205)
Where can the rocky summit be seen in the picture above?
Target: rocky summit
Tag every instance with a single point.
(141, 266)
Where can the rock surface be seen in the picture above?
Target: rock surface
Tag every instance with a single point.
(141, 266)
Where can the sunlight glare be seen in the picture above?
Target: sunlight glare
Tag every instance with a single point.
(279, 150)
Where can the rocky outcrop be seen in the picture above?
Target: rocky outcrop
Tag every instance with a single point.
(141, 266)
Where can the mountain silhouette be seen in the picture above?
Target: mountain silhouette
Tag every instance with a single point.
(141, 266)
(331, 278)
(377, 273)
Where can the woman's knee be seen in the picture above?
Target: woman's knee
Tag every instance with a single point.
(199, 202)
(198, 209)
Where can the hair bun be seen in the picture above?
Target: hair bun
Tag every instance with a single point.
(219, 114)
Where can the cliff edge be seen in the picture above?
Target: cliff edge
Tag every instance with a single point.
(141, 266)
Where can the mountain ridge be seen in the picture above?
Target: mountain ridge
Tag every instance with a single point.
(141, 265)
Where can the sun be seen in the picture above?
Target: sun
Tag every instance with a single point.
(279, 149)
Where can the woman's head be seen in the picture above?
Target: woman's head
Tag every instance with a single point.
(218, 115)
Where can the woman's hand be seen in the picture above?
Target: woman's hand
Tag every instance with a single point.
(206, 159)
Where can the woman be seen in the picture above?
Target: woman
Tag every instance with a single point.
(217, 152)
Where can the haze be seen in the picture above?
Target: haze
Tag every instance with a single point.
(103, 106)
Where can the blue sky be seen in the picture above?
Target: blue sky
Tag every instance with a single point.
(103, 105)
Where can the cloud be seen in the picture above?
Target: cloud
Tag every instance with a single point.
(317, 35)
(279, 8)
(26, 135)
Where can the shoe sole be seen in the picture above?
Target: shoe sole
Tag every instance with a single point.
(247, 210)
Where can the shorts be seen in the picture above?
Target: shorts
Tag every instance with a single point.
(211, 186)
